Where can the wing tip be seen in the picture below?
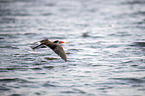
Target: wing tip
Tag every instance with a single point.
(65, 59)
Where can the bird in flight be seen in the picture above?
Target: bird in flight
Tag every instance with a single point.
(55, 46)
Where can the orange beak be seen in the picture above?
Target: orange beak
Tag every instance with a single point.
(61, 42)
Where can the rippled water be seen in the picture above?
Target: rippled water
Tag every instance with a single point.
(105, 48)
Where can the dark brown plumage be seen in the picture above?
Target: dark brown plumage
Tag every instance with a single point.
(55, 46)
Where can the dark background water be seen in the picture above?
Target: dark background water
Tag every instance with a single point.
(105, 48)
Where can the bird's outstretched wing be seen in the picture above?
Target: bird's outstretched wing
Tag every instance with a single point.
(60, 52)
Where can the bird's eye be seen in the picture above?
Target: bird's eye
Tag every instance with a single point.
(56, 41)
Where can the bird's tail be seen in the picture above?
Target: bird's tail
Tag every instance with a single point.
(36, 46)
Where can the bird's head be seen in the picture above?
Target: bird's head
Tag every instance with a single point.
(59, 42)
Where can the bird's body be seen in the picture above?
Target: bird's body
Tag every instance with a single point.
(55, 46)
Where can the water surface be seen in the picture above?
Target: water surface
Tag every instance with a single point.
(105, 48)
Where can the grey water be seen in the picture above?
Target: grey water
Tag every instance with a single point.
(105, 48)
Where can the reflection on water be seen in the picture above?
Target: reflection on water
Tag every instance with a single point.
(105, 48)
